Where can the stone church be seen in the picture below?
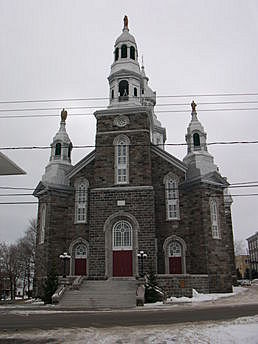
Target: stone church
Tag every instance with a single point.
(129, 195)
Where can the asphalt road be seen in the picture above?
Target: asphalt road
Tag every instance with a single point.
(52, 320)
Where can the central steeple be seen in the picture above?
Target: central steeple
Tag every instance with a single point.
(125, 76)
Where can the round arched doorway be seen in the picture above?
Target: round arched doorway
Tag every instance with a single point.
(80, 260)
(175, 257)
(122, 249)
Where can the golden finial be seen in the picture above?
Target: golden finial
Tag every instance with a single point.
(63, 115)
(193, 105)
(125, 22)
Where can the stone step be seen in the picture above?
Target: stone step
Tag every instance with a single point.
(111, 293)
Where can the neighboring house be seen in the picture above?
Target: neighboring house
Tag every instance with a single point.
(242, 265)
(253, 253)
(8, 167)
(130, 195)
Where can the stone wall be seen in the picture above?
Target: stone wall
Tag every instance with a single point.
(183, 285)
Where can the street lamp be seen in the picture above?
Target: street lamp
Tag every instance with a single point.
(141, 255)
(65, 256)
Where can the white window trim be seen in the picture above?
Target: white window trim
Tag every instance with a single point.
(122, 247)
(121, 166)
(215, 229)
(81, 205)
(174, 201)
(42, 224)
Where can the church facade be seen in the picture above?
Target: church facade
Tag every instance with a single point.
(130, 195)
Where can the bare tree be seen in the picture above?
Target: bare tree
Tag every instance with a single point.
(11, 265)
(240, 247)
(27, 247)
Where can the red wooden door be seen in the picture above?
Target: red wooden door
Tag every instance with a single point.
(80, 266)
(175, 265)
(122, 263)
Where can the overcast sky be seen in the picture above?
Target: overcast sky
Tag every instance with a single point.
(64, 49)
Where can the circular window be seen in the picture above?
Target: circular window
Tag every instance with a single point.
(121, 121)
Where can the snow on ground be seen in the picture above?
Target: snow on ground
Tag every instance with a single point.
(242, 330)
(197, 297)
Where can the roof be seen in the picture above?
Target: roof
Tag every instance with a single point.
(169, 158)
(8, 167)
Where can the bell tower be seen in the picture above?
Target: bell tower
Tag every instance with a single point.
(60, 157)
(198, 159)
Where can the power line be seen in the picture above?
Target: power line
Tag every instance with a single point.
(131, 145)
(36, 202)
(32, 189)
(30, 194)
(159, 111)
(103, 107)
(20, 101)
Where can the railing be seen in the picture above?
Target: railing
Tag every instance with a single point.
(77, 282)
(56, 297)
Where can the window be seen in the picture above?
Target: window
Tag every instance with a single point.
(123, 51)
(70, 150)
(196, 140)
(81, 201)
(122, 236)
(42, 224)
(81, 251)
(121, 159)
(132, 53)
(214, 220)
(112, 94)
(58, 149)
(172, 197)
(135, 91)
(116, 54)
(174, 249)
(123, 88)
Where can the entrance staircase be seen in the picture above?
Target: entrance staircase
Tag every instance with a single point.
(101, 294)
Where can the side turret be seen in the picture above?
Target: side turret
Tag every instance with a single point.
(198, 159)
(60, 157)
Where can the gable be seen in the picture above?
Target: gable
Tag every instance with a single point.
(169, 158)
(81, 164)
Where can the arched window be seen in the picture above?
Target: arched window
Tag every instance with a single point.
(122, 236)
(196, 140)
(123, 51)
(81, 251)
(116, 54)
(132, 53)
(81, 201)
(42, 224)
(214, 219)
(121, 159)
(172, 197)
(135, 91)
(123, 88)
(174, 249)
(70, 150)
(58, 149)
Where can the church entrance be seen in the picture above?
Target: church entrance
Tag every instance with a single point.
(122, 249)
(175, 258)
(80, 260)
